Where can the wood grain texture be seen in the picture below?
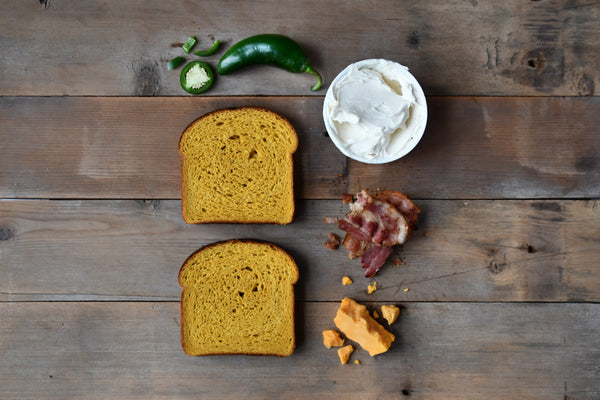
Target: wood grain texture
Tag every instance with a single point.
(482, 47)
(132, 350)
(462, 251)
(499, 290)
(122, 147)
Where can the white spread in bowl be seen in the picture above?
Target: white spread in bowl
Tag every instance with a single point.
(375, 111)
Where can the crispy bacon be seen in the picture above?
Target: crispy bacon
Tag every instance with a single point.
(354, 230)
(403, 204)
(381, 221)
(331, 220)
(397, 261)
(356, 247)
(333, 242)
(391, 222)
(375, 224)
(374, 259)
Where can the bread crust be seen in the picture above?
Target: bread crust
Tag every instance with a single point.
(227, 241)
(291, 166)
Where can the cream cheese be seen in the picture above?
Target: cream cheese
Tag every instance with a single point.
(375, 111)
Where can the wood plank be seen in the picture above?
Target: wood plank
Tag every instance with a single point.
(442, 351)
(462, 251)
(473, 148)
(453, 48)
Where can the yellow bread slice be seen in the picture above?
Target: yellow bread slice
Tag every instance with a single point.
(354, 321)
(238, 298)
(237, 167)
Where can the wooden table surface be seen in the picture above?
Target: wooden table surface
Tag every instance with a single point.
(503, 277)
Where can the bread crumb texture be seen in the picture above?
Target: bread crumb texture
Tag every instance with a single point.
(238, 298)
(237, 167)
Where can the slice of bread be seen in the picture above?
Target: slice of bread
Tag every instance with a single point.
(237, 167)
(238, 298)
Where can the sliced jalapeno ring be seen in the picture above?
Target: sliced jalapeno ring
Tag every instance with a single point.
(196, 77)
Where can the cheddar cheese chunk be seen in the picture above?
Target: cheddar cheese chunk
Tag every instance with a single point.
(332, 338)
(354, 321)
(390, 313)
(372, 288)
(344, 353)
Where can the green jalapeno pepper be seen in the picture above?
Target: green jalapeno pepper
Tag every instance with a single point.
(209, 52)
(176, 62)
(189, 44)
(196, 77)
(269, 49)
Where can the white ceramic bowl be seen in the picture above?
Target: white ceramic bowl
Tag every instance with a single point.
(404, 140)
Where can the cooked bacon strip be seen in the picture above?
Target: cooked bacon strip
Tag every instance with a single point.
(356, 247)
(374, 259)
(354, 230)
(363, 199)
(365, 220)
(402, 203)
(375, 224)
(390, 226)
(391, 222)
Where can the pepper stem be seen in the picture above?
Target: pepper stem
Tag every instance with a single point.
(317, 86)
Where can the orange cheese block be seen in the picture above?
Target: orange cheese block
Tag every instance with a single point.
(354, 321)
(344, 353)
(390, 313)
(332, 338)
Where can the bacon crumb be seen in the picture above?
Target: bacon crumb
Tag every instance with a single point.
(397, 262)
(347, 198)
(331, 220)
(333, 242)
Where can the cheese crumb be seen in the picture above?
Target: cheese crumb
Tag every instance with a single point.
(372, 287)
(196, 77)
(346, 281)
(357, 362)
(390, 313)
(375, 314)
(344, 353)
(332, 338)
(406, 290)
